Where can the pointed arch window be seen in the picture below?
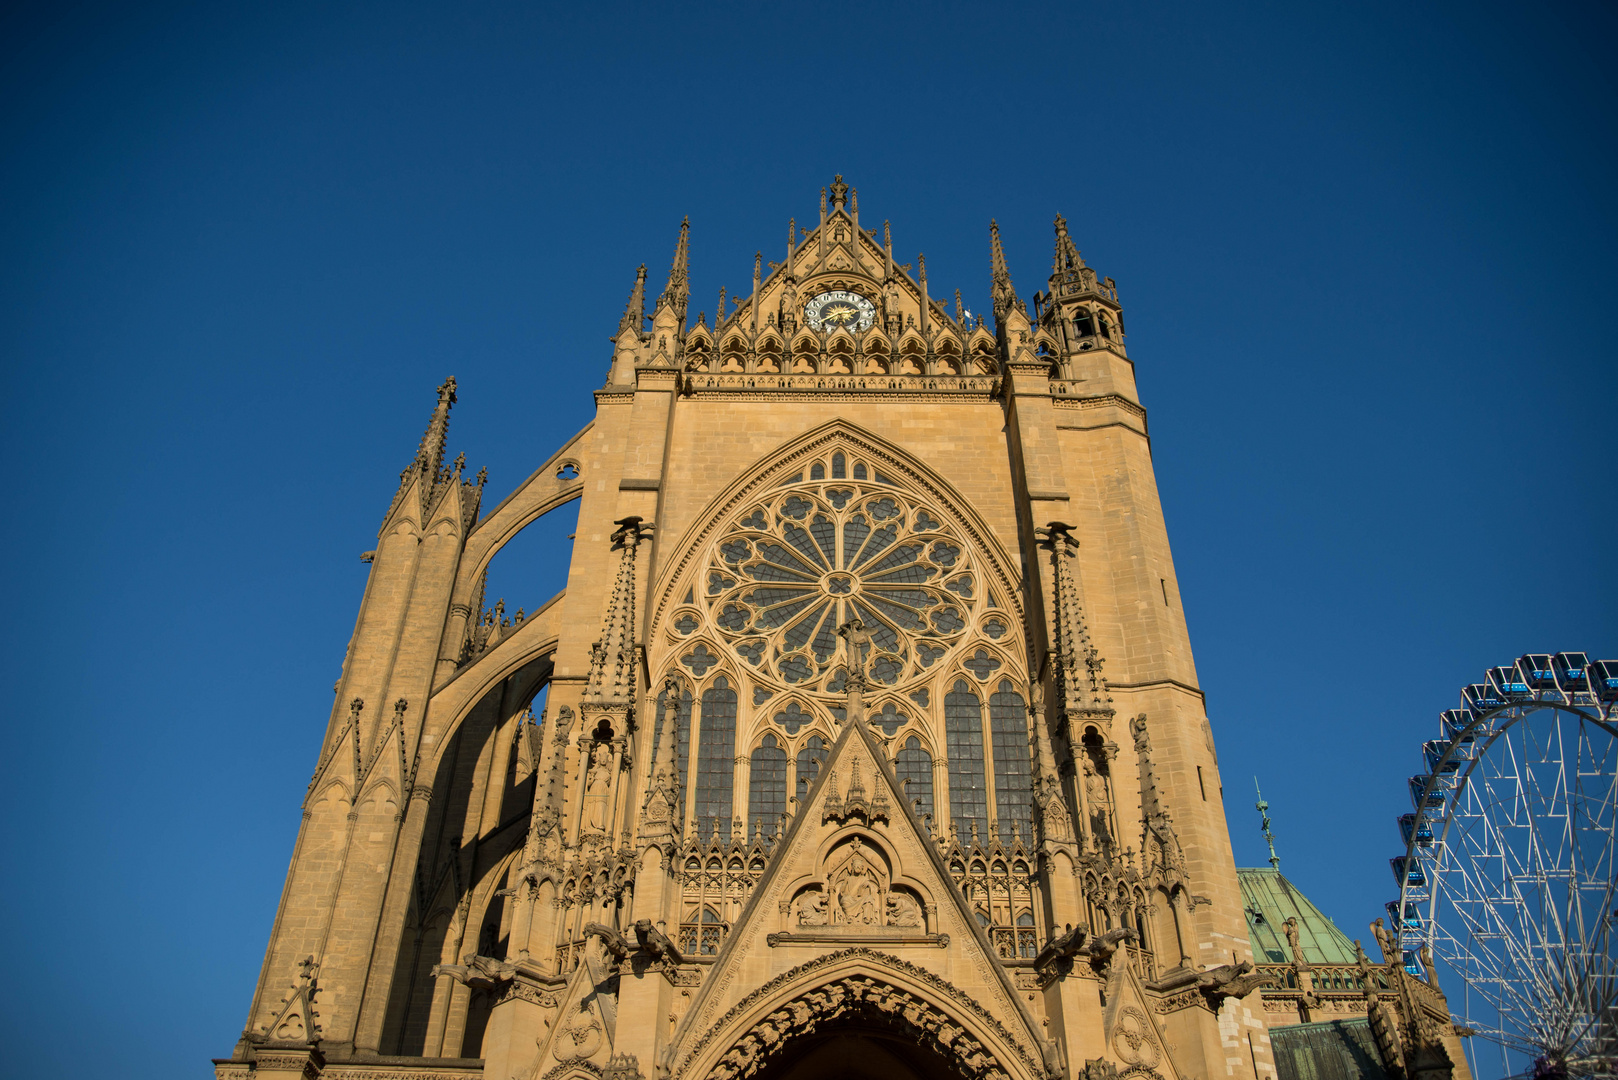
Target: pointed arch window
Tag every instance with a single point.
(682, 740)
(915, 770)
(716, 753)
(767, 797)
(1013, 791)
(839, 466)
(963, 738)
(809, 758)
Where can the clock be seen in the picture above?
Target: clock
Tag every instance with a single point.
(831, 310)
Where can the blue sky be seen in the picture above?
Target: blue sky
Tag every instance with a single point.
(1366, 255)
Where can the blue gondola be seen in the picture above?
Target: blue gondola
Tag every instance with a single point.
(1506, 683)
(1433, 750)
(1421, 828)
(1411, 922)
(1604, 679)
(1413, 963)
(1479, 699)
(1535, 670)
(1571, 671)
(1435, 798)
(1455, 722)
(1413, 876)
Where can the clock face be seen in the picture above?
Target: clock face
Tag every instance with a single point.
(831, 310)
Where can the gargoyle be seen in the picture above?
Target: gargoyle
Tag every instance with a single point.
(1062, 948)
(1230, 981)
(1100, 949)
(655, 942)
(616, 944)
(477, 972)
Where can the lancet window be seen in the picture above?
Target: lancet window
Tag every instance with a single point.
(1013, 790)
(767, 798)
(809, 758)
(963, 733)
(716, 752)
(914, 766)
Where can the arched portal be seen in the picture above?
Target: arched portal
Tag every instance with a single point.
(866, 1022)
(859, 1052)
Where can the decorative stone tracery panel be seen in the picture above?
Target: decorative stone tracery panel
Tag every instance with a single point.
(841, 540)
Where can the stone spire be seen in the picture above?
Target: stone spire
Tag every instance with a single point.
(613, 657)
(1067, 260)
(887, 251)
(1005, 294)
(635, 311)
(678, 293)
(758, 279)
(926, 303)
(1055, 821)
(1081, 688)
(660, 822)
(431, 454)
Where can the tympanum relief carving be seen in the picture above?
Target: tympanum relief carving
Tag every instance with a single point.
(857, 895)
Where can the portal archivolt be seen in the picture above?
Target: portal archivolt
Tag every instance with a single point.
(856, 1025)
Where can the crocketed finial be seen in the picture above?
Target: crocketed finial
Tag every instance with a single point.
(679, 291)
(431, 453)
(635, 311)
(1067, 255)
(1005, 295)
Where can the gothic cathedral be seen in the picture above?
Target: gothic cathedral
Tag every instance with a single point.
(864, 741)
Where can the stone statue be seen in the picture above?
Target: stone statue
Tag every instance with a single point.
(1095, 797)
(1290, 927)
(1385, 941)
(857, 903)
(597, 786)
(902, 911)
(812, 909)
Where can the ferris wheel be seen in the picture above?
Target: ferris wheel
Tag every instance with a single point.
(1510, 868)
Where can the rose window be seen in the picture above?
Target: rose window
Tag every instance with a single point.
(811, 557)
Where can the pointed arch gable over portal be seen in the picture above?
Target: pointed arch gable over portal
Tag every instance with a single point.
(795, 455)
(876, 989)
(858, 989)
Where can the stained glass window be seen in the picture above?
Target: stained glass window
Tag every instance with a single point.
(1013, 793)
(963, 738)
(801, 562)
(915, 771)
(767, 797)
(809, 758)
(716, 753)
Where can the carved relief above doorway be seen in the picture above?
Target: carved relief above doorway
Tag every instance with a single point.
(856, 896)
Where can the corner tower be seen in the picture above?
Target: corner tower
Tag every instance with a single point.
(870, 736)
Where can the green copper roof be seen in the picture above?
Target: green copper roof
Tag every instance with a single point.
(1331, 1050)
(1270, 899)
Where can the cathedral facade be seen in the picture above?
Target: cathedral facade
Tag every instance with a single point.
(865, 739)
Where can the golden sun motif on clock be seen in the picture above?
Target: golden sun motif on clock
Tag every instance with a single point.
(839, 309)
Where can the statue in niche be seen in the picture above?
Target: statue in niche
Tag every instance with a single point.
(812, 909)
(902, 911)
(857, 895)
(890, 299)
(597, 785)
(1096, 797)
